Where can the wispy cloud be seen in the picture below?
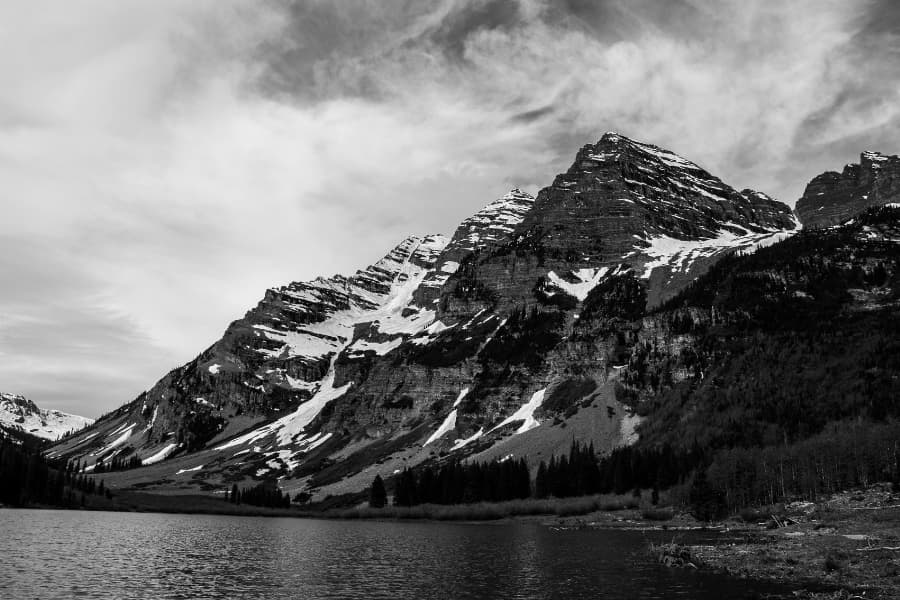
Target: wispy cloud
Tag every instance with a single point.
(162, 163)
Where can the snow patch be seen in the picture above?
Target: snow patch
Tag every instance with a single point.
(459, 398)
(290, 426)
(449, 424)
(588, 279)
(161, 455)
(463, 442)
(379, 348)
(525, 413)
(152, 419)
(117, 442)
(197, 468)
(665, 251)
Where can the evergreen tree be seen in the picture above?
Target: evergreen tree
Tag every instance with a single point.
(707, 503)
(377, 494)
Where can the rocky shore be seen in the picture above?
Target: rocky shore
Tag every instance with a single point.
(844, 546)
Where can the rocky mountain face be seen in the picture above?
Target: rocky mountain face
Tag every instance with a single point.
(20, 414)
(510, 338)
(832, 198)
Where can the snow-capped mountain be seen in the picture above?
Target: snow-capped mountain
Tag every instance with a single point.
(832, 198)
(504, 339)
(19, 413)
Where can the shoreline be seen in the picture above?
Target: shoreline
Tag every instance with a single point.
(846, 546)
(842, 546)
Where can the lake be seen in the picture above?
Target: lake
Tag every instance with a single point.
(75, 554)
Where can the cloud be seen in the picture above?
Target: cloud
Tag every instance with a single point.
(163, 163)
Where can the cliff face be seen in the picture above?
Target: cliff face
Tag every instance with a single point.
(832, 198)
(508, 338)
(623, 204)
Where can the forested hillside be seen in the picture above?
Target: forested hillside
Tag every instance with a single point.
(779, 370)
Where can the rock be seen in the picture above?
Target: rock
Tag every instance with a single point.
(833, 198)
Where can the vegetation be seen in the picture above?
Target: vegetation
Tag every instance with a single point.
(674, 555)
(27, 478)
(263, 494)
(620, 298)
(457, 483)
(377, 494)
(487, 511)
(577, 474)
(525, 338)
(785, 379)
(454, 345)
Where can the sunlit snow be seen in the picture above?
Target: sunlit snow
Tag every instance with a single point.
(679, 255)
(525, 413)
(449, 424)
(587, 280)
(161, 455)
(463, 442)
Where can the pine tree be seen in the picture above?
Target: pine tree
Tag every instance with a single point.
(707, 503)
(377, 495)
(540, 481)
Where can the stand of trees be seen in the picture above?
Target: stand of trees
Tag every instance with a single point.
(377, 494)
(259, 495)
(27, 478)
(719, 481)
(456, 483)
(577, 474)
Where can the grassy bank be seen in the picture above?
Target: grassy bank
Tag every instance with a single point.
(131, 501)
(488, 511)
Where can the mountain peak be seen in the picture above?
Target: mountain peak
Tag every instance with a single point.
(832, 198)
(358, 370)
(22, 414)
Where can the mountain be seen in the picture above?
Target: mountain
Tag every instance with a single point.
(509, 338)
(776, 373)
(832, 198)
(20, 415)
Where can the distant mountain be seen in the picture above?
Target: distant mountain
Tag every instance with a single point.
(537, 322)
(832, 198)
(20, 415)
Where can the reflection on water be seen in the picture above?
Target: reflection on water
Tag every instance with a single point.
(66, 554)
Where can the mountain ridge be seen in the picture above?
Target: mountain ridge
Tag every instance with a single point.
(832, 198)
(23, 415)
(507, 338)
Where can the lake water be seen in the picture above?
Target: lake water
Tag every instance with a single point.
(71, 554)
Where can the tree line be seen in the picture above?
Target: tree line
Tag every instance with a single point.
(27, 478)
(457, 483)
(716, 481)
(262, 494)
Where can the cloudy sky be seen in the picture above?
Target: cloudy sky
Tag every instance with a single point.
(163, 162)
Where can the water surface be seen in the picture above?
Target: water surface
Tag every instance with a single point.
(76, 554)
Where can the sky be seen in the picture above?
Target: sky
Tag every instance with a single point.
(164, 162)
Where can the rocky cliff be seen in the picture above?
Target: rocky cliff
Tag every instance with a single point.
(832, 198)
